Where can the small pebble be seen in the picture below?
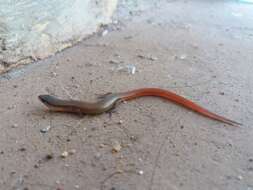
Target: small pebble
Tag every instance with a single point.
(49, 157)
(114, 62)
(54, 74)
(120, 122)
(98, 156)
(45, 130)
(105, 32)
(133, 138)
(64, 154)
(151, 58)
(101, 145)
(140, 172)
(116, 147)
(22, 149)
(250, 159)
(15, 125)
(222, 93)
(77, 186)
(183, 56)
(239, 177)
(72, 151)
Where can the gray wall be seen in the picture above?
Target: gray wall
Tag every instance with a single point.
(35, 29)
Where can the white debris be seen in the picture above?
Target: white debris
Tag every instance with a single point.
(131, 69)
(105, 32)
(116, 146)
(183, 56)
(15, 125)
(239, 177)
(72, 151)
(45, 130)
(64, 154)
(77, 186)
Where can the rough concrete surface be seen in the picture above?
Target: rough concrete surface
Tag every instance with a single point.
(202, 50)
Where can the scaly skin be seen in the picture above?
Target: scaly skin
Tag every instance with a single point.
(108, 102)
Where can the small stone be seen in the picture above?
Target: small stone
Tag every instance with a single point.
(15, 125)
(13, 172)
(72, 151)
(222, 93)
(250, 159)
(49, 157)
(116, 147)
(101, 145)
(133, 138)
(140, 172)
(114, 62)
(183, 56)
(22, 149)
(239, 177)
(105, 32)
(57, 182)
(77, 186)
(181, 127)
(45, 130)
(151, 58)
(54, 74)
(98, 156)
(120, 122)
(64, 154)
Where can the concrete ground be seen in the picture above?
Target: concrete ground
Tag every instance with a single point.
(202, 50)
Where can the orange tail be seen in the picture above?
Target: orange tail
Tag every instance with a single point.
(177, 99)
